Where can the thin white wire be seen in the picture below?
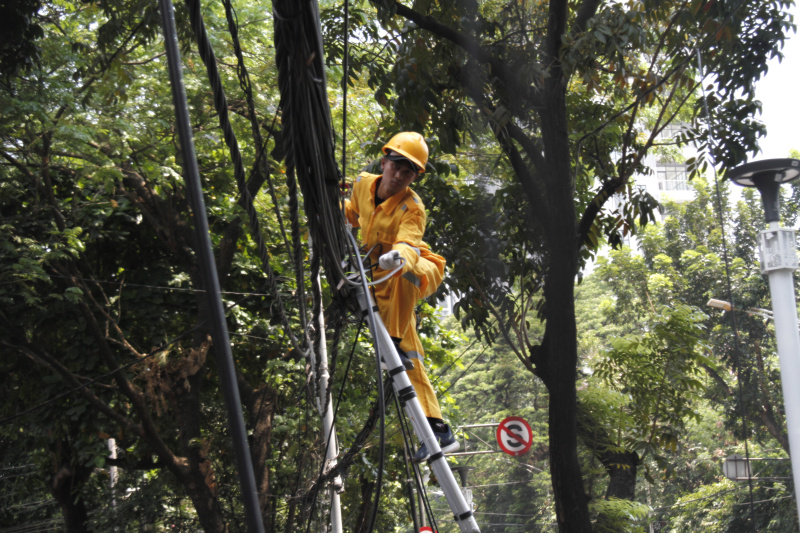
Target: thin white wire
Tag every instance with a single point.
(376, 282)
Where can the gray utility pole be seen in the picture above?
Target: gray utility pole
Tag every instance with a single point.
(325, 408)
(778, 256)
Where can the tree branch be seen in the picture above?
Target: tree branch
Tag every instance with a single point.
(515, 90)
(43, 358)
(587, 10)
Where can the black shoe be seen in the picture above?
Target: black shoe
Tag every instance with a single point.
(447, 442)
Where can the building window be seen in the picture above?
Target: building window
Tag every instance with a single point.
(671, 131)
(672, 177)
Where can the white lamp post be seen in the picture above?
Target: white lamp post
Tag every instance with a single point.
(779, 261)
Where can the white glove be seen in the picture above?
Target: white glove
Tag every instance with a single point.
(390, 260)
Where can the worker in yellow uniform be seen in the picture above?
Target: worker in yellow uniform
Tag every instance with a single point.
(392, 221)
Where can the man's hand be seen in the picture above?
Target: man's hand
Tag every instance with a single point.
(390, 260)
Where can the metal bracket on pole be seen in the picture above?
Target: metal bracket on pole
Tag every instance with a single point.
(776, 249)
(404, 390)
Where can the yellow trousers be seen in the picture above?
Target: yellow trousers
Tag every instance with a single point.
(396, 299)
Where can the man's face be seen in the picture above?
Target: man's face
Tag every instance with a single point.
(397, 175)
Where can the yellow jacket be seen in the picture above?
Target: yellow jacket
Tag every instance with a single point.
(398, 223)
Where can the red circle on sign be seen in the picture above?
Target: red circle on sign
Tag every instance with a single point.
(514, 435)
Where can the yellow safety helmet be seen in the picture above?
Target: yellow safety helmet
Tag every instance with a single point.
(412, 146)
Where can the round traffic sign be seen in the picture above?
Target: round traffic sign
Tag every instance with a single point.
(514, 435)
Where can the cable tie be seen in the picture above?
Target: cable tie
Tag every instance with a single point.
(394, 371)
(435, 457)
(406, 394)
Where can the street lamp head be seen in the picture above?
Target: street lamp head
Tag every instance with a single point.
(775, 170)
(767, 176)
(719, 304)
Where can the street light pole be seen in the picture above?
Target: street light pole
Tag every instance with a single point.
(778, 258)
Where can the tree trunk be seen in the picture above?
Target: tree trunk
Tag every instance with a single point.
(561, 352)
(572, 511)
(620, 465)
(65, 487)
(261, 406)
(367, 488)
(194, 472)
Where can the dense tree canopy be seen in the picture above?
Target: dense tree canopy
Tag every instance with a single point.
(574, 95)
(537, 114)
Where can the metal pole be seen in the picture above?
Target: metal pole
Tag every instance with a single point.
(328, 427)
(784, 307)
(208, 273)
(778, 258)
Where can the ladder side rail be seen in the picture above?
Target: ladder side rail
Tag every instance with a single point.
(462, 513)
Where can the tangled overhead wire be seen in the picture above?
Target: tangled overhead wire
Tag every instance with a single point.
(307, 129)
(307, 144)
(246, 198)
(309, 149)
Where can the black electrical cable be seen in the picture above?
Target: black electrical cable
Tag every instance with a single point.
(309, 155)
(208, 272)
(260, 165)
(155, 287)
(425, 504)
(338, 328)
(141, 359)
(372, 321)
(370, 312)
(346, 372)
(408, 482)
(246, 86)
(220, 104)
(345, 79)
(307, 129)
(328, 442)
(316, 313)
(349, 456)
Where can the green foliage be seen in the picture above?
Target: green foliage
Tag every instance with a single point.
(723, 389)
(659, 371)
(487, 387)
(98, 274)
(624, 515)
(725, 506)
(21, 28)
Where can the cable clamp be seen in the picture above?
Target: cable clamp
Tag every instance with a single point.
(394, 371)
(375, 309)
(406, 394)
(337, 482)
(435, 457)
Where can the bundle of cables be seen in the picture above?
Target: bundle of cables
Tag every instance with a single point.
(307, 129)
